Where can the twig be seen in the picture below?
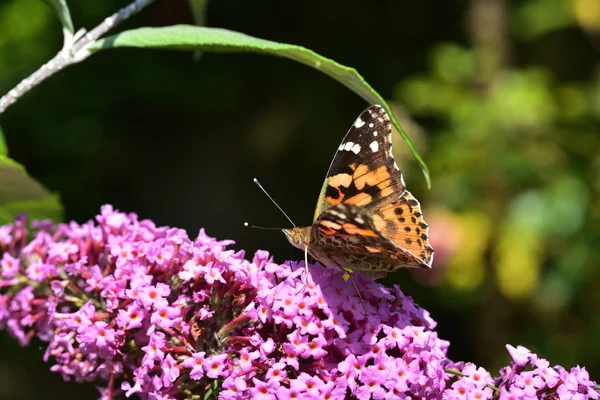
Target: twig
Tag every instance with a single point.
(76, 52)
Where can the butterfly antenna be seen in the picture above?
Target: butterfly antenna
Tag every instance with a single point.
(247, 225)
(274, 202)
(305, 280)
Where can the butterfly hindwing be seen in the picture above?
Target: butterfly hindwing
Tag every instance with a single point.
(347, 236)
(363, 170)
(402, 223)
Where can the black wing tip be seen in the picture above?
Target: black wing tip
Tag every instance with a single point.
(376, 118)
(375, 110)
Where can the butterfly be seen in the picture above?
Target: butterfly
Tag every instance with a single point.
(365, 220)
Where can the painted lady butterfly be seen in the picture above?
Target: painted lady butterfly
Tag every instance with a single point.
(366, 221)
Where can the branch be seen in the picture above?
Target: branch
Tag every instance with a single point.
(74, 51)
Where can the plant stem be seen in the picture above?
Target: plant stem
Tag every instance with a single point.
(78, 51)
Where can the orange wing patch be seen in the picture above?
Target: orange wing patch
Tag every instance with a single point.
(363, 186)
(352, 229)
(379, 177)
(340, 180)
(330, 228)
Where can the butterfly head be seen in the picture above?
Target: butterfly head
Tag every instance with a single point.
(298, 237)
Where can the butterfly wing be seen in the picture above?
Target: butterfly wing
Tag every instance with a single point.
(365, 182)
(363, 171)
(345, 235)
(401, 221)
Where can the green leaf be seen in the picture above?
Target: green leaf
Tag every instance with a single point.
(195, 38)
(19, 193)
(3, 147)
(60, 8)
(536, 18)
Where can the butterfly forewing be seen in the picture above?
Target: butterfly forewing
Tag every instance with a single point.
(363, 171)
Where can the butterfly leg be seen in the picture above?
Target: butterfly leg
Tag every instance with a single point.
(348, 275)
(305, 279)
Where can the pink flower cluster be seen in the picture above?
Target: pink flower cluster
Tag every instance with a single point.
(527, 377)
(150, 312)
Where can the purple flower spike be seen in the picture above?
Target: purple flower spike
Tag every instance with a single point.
(150, 312)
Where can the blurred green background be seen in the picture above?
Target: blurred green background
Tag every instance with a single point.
(502, 99)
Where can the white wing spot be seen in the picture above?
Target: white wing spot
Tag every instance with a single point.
(374, 133)
(341, 147)
(355, 149)
(359, 123)
(337, 214)
(348, 146)
(374, 146)
(359, 220)
(371, 125)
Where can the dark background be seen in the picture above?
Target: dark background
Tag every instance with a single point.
(502, 100)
